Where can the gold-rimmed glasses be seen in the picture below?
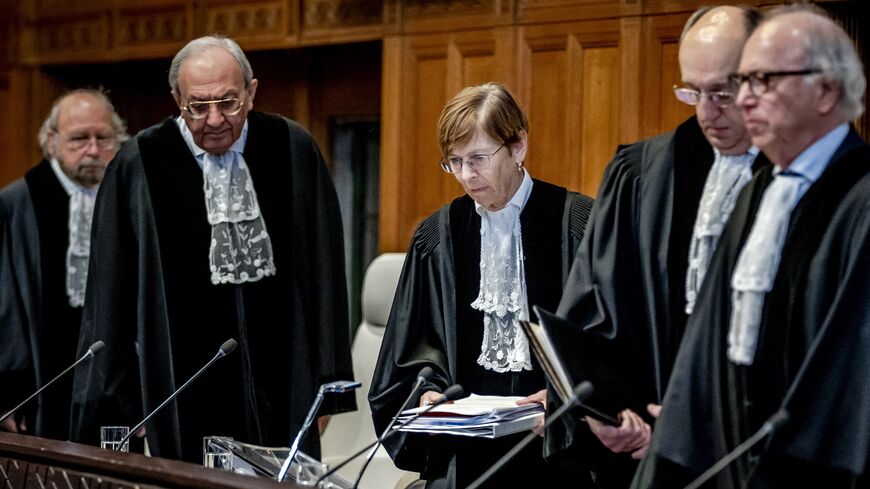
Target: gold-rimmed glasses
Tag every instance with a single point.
(199, 109)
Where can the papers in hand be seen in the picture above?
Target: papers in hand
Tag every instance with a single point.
(476, 416)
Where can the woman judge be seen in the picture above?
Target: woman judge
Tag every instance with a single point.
(472, 271)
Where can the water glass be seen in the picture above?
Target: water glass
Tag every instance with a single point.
(111, 436)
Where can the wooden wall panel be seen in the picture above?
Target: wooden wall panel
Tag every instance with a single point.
(658, 109)
(571, 74)
(600, 116)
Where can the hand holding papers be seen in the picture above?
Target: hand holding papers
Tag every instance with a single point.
(476, 416)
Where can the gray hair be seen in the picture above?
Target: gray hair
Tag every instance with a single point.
(50, 122)
(828, 48)
(751, 16)
(204, 44)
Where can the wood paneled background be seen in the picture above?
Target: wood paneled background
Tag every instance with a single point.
(591, 74)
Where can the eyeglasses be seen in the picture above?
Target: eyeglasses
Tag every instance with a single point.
(475, 162)
(759, 81)
(227, 106)
(690, 96)
(78, 142)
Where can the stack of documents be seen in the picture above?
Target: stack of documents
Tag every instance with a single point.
(477, 416)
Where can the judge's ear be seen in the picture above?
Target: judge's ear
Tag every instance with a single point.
(519, 147)
(252, 90)
(829, 93)
(177, 98)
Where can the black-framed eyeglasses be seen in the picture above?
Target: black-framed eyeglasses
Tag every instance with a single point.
(759, 81)
(199, 109)
(78, 142)
(475, 162)
(690, 96)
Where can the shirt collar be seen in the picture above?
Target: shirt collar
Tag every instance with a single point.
(199, 153)
(521, 196)
(69, 186)
(814, 160)
(752, 151)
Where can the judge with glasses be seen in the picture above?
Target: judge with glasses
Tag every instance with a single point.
(657, 219)
(474, 269)
(220, 222)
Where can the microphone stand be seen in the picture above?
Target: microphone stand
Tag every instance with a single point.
(421, 379)
(224, 350)
(337, 387)
(93, 350)
(773, 423)
(451, 393)
(581, 392)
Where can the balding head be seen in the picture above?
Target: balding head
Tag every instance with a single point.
(710, 52)
(82, 132)
(819, 82)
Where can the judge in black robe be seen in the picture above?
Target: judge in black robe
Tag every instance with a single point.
(812, 350)
(432, 321)
(151, 300)
(38, 327)
(39, 323)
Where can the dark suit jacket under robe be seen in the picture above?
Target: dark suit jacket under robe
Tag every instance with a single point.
(432, 324)
(150, 298)
(813, 355)
(626, 291)
(38, 328)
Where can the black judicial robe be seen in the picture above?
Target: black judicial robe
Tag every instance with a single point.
(432, 323)
(38, 328)
(151, 300)
(813, 355)
(626, 291)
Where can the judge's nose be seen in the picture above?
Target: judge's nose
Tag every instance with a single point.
(215, 117)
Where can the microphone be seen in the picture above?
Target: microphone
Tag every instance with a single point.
(452, 393)
(337, 387)
(92, 350)
(225, 349)
(773, 423)
(581, 392)
(422, 377)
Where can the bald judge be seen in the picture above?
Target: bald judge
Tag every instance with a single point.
(220, 222)
(656, 220)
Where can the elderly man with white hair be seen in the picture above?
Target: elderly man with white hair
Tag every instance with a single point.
(220, 222)
(782, 323)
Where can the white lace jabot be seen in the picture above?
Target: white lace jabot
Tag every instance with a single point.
(241, 249)
(78, 251)
(759, 260)
(502, 297)
(727, 177)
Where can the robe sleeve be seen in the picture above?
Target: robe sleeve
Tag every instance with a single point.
(124, 307)
(414, 338)
(601, 281)
(320, 271)
(16, 367)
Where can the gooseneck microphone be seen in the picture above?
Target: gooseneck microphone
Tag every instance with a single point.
(225, 349)
(581, 393)
(772, 424)
(337, 387)
(92, 350)
(422, 377)
(452, 393)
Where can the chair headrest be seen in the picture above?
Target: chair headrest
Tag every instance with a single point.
(379, 287)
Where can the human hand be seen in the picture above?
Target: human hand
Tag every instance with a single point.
(632, 435)
(9, 424)
(431, 397)
(655, 410)
(539, 397)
